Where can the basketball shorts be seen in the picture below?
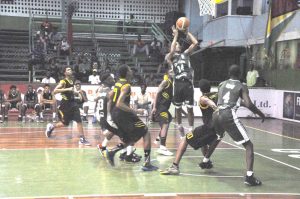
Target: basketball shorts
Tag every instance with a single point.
(69, 111)
(200, 136)
(183, 93)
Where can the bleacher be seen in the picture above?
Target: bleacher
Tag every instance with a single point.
(14, 53)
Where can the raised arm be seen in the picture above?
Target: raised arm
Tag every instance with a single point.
(193, 45)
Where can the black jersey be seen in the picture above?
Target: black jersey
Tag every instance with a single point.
(67, 95)
(102, 102)
(164, 99)
(47, 96)
(13, 96)
(206, 110)
(117, 90)
(77, 97)
(229, 94)
(31, 96)
(182, 67)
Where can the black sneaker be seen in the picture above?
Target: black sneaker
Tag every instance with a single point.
(132, 158)
(147, 166)
(252, 181)
(122, 156)
(206, 165)
(83, 141)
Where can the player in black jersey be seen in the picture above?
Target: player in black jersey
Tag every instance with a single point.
(68, 109)
(48, 102)
(183, 78)
(81, 99)
(161, 112)
(203, 136)
(232, 93)
(13, 100)
(126, 119)
(31, 101)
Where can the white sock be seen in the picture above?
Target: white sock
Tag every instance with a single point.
(191, 128)
(163, 147)
(249, 173)
(104, 142)
(53, 115)
(205, 159)
(129, 150)
(41, 114)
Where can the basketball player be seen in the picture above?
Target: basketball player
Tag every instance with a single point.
(203, 136)
(68, 109)
(127, 120)
(161, 112)
(183, 78)
(31, 101)
(48, 101)
(104, 99)
(81, 99)
(13, 100)
(232, 93)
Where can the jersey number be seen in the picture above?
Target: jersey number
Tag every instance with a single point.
(226, 97)
(116, 94)
(101, 104)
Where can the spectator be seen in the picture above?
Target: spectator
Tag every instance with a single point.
(252, 76)
(13, 100)
(140, 46)
(48, 79)
(94, 78)
(31, 102)
(143, 100)
(54, 39)
(155, 47)
(64, 49)
(47, 102)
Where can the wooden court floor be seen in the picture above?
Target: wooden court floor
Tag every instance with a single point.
(32, 166)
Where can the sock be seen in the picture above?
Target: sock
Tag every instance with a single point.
(41, 114)
(205, 159)
(163, 141)
(147, 155)
(53, 115)
(104, 142)
(117, 148)
(129, 149)
(249, 173)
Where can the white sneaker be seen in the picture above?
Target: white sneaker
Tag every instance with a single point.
(164, 151)
(49, 130)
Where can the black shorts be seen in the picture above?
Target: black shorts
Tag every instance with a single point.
(129, 123)
(200, 136)
(69, 111)
(163, 117)
(183, 92)
(227, 120)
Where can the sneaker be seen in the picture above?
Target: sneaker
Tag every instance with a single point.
(172, 170)
(132, 158)
(252, 181)
(19, 119)
(100, 149)
(54, 120)
(84, 119)
(1, 119)
(206, 165)
(83, 141)
(157, 140)
(109, 156)
(24, 119)
(122, 156)
(5, 119)
(49, 130)
(164, 151)
(147, 166)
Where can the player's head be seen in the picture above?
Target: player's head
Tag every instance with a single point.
(204, 86)
(13, 89)
(68, 71)
(125, 72)
(234, 71)
(107, 79)
(143, 88)
(29, 87)
(77, 85)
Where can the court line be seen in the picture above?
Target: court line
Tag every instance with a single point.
(264, 156)
(209, 176)
(160, 194)
(277, 134)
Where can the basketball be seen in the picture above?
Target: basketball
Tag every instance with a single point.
(182, 23)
